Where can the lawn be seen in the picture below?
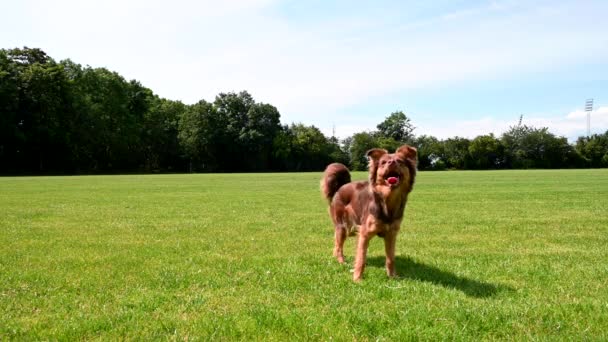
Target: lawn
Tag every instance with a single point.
(481, 255)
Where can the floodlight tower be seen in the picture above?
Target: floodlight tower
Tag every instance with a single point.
(589, 109)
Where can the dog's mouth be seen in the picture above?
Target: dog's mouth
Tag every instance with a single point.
(393, 178)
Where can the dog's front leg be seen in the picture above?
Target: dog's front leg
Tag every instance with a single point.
(390, 240)
(362, 245)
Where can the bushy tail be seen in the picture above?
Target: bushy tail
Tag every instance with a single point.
(334, 177)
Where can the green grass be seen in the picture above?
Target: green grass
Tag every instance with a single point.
(481, 255)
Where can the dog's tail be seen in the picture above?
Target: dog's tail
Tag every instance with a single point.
(334, 177)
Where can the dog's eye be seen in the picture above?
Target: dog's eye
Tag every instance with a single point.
(383, 162)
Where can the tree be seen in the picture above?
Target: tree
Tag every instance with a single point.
(310, 148)
(529, 147)
(199, 130)
(430, 149)
(282, 150)
(456, 153)
(257, 136)
(62, 117)
(161, 146)
(115, 129)
(594, 149)
(398, 127)
(515, 150)
(486, 152)
(394, 131)
(336, 152)
(9, 104)
(361, 143)
(249, 132)
(34, 94)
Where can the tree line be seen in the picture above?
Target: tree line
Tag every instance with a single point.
(63, 118)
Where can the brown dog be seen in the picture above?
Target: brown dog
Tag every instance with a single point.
(373, 207)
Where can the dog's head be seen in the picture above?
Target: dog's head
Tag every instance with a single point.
(392, 171)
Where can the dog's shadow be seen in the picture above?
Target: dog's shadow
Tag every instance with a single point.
(407, 268)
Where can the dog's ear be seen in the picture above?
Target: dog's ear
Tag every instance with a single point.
(407, 152)
(373, 156)
(375, 153)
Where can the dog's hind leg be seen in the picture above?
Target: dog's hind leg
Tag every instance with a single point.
(340, 236)
(339, 218)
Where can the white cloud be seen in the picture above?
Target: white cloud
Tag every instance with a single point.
(574, 124)
(570, 125)
(466, 129)
(192, 50)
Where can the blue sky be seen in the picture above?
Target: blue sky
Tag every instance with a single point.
(454, 67)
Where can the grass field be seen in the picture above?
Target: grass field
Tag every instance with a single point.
(481, 255)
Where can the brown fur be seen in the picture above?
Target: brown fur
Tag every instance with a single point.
(372, 207)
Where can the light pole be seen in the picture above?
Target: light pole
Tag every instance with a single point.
(589, 109)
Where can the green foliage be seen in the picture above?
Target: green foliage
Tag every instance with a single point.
(65, 118)
(397, 126)
(199, 135)
(489, 255)
(337, 153)
(529, 147)
(160, 140)
(594, 149)
(360, 144)
(233, 134)
(456, 153)
(486, 152)
(430, 151)
(310, 148)
(36, 113)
